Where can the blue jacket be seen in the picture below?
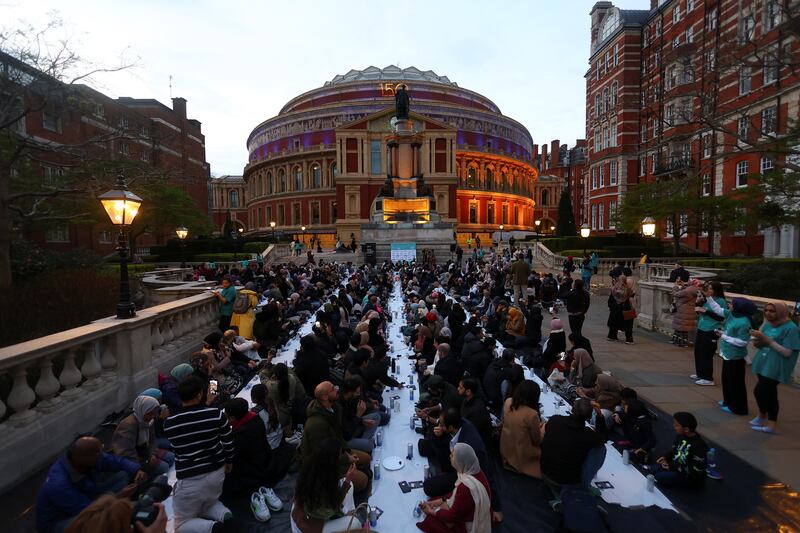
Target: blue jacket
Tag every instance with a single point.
(61, 498)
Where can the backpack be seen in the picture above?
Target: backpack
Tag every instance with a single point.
(242, 303)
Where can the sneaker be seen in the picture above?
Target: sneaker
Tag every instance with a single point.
(704, 382)
(763, 429)
(295, 438)
(713, 473)
(727, 409)
(758, 421)
(693, 376)
(628, 342)
(611, 340)
(273, 502)
(259, 507)
(721, 403)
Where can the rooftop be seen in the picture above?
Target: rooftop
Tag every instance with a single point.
(390, 72)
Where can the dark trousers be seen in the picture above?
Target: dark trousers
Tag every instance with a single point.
(627, 327)
(576, 324)
(766, 393)
(669, 478)
(734, 390)
(224, 322)
(705, 344)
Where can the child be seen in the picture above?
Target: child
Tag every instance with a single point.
(685, 464)
(635, 424)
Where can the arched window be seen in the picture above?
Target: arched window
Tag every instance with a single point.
(471, 177)
(597, 104)
(316, 173)
(298, 179)
(489, 179)
(614, 95)
(606, 100)
(269, 182)
(234, 198)
(503, 180)
(281, 181)
(333, 175)
(545, 197)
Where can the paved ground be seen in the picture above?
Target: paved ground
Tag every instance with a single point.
(660, 372)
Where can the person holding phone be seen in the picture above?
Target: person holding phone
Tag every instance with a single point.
(778, 343)
(226, 296)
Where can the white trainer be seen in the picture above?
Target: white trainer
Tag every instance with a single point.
(704, 382)
(259, 507)
(273, 502)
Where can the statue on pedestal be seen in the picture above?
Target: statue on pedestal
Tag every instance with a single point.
(401, 103)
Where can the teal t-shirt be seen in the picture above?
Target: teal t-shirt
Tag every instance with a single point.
(769, 363)
(738, 328)
(705, 322)
(226, 307)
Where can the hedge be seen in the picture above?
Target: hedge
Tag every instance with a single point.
(556, 244)
(767, 278)
(225, 256)
(731, 263)
(578, 253)
(255, 247)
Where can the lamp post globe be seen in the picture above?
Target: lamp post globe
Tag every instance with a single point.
(648, 226)
(272, 226)
(585, 232)
(122, 206)
(181, 232)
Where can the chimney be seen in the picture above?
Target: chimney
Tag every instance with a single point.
(554, 152)
(535, 152)
(545, 164)
(653, 4)
(179, 106)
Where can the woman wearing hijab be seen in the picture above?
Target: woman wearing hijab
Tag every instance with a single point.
(619, 301)
(515, 325)
(522, 434)
(244, 321)
(554, 345)
(584, 372)
(168, 384)
(778, 343)
(135, 438)
(467, 509)
(606, 393)
(734, 338)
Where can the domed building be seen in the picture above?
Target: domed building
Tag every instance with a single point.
(320, 163)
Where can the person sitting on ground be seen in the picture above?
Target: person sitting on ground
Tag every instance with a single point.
(555, 344)
(110, 514)
(498, 372)
(572, 452)
(522, 433)
(467, 508)
(168, 384)
(449, 365)
(358, 426)
(288, 393)
(684, 465)
(477, 353)
(250, 472)
(637, 429)
(322, 495)
(323, 422)
(135, 438)
(582, 375)
(202, 441)
(473, 408)
(79, 477)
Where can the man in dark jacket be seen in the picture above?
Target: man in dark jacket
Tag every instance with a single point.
(577, 301)
(678, 273)
(498, 371)
(520, 272)
(477, 353)
(78, 478)
(311, 363)
(449, 366)
(251, 457)
(474, 410)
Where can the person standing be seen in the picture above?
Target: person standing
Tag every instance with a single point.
(733, 349)
(684, 319)
(577, 301)
(520, 272)
(244, 310)
(619, 310)
(226, 296)
(643, 263)
(778, 343)
(587, 271)
(705, 340)
(202, 441)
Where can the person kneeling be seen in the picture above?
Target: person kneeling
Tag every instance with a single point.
(468, 508)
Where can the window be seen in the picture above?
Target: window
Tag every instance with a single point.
(605, 138)
(471, 172)
(712, 59)
(122, 122)
(745, 80)
(616, 55)
(51, 122)
(741, 213)
(281, 181)
(545, 197)
(612, 173)
(124, 148)
(234, 196)
(654, 163)
(602, 174)
(440, 155)
(490, 213)
(676, 13)
(316, 174)
(333, 173)
(658, 28)
(742, 128)
(315, 218)
(597, 72)
(766, 164)
(614, 95)
(706, 186)
(711, 23)
(281, 215)
(747, 27)
(769, 120)
(771, 68)
(606, 104)
(105, 237)
(505, 214)
(597, 140)
(296, 218)
(613, 139)
(597, 104)
(669, 114)
(608, 60)
(772, 14)
(144, 155)
(99, 110)
(57, 234)
(707, 146)
(601, 223)
(741, 174)
(298, 179)
(643, 133)
(690, 34)
(689, 5)
(594, 216)
(676, 42)
(612, 214)
(658, 58)
(375, 157)
(642, 165)
(672, 76)
(594, 178)
(334, 212)
(269, 183)
(51, 176)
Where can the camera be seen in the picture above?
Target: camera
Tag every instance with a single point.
(143, 510)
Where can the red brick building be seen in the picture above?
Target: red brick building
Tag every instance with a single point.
(689, 88)
(559, 168)
(143, 132)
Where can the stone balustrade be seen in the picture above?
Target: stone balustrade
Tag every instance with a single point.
(55, 387)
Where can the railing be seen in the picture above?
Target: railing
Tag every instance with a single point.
(672, 163)
(57, 386)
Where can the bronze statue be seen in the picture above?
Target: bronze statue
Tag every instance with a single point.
(401, 102)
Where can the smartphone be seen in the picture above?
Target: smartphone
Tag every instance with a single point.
(213, 389)
(404, 487)
(603, 485)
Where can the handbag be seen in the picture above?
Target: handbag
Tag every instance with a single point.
(358, 529)
(629, 314)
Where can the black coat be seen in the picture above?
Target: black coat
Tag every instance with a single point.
(451, 369)
(251, 457)
(475, 411)
(476, 357)
(497, 372)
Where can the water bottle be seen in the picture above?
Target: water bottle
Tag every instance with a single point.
(626, 457)
(417, 511)
(373, 517)
(376, 471)
(379, 437)
(426, 472)
(410, 451)
(411, 394)
(412, 422)
(651, 483)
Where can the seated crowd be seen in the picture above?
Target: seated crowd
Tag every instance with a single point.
(321, 412)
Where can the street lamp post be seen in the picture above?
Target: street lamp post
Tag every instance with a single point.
(303, 229)
(272, 225)
(182, 233)
(500, 246)
(585, 232)
(122, 206)
(648, 226)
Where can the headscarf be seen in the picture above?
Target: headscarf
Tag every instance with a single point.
(467, 467)
(743, 307)
(620, 290)
(152, 392)
(250, 286)
(556, 325)
(212, 339)
(582, 361)
(781, 312)
(181, 371)
(606, 383)
(141, 406)
(424, 331)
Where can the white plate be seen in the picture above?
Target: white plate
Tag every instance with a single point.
(393, 463)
